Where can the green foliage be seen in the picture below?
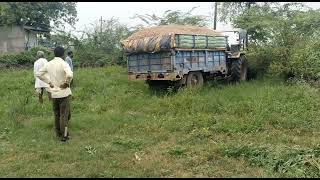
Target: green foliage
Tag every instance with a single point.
(102, 46)
(284, 162)
(255, 155)
(271, 25)
(177, 151)
(173, 17)
(38, 14)
(280, 37)
(64, 39)
(23, 59)
(259, 60)
(303, 61)
(229, 11)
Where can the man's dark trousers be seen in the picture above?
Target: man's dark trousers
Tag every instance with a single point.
(62, 115)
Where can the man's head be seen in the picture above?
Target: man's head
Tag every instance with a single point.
(70, 54)
(40, 54)
(59, 52)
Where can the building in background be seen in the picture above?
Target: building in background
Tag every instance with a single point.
(21, 38)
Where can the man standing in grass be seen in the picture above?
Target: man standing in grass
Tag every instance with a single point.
(39, 85)
(60, 76)
(69, 61)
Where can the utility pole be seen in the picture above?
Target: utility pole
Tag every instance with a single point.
(101, 24)
(215, 15)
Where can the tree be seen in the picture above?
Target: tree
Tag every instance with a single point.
(65, 39)
(106, 38)
(173, 17)
(277, 33)
(260, 19)
(101, 44)
(231, 10)
(38, 14)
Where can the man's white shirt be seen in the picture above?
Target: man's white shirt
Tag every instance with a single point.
(58, 72)
(37, 65)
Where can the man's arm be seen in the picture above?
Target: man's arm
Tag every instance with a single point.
(71, 64)
(69, 73)
(69, 76)
(41, 74)
(69, 61)
(35, 69)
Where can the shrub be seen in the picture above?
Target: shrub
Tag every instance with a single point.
(95, 58)
(303, 61)
(259, 59)
(23, 59)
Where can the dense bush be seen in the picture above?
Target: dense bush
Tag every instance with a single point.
(94, 58)
(283, 38)
(303, 61)
(23, 59)
(259, 59)
(82, 58)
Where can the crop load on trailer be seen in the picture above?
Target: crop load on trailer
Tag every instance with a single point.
(164, 38)
(182, 55)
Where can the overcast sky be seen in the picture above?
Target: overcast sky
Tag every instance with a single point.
(89, 12)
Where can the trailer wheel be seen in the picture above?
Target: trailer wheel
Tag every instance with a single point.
(239, 69)
(194, 79)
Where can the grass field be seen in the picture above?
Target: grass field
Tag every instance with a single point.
(260, 128)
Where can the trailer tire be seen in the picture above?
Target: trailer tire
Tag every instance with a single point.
(194, 79)
(239, 69)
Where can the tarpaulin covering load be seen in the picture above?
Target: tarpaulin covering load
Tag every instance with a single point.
(164, 38)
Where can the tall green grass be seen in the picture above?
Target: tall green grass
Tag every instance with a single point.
(119, 128)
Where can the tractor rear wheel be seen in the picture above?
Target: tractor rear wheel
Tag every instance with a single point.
(239, 69)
